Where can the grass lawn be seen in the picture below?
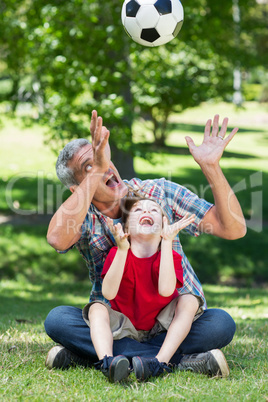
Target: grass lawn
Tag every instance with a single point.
(244, 164)
(28, 185)
(34, 278)
(24, 345)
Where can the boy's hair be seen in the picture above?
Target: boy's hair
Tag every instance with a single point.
(127, 204)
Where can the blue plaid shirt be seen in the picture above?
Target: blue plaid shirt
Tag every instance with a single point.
(175, 200)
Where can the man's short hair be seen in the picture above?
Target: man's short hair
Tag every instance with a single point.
(64, 173)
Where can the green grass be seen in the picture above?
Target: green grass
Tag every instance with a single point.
(34, 278)
(26, 254)
(28, 184)
(23, 149)
(244, 260)
(27, 169)
(24, 345)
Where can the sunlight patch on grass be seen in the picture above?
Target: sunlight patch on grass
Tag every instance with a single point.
(166, 165)
(23, 149)
(250, 114)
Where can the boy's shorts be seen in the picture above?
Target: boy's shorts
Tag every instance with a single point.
(122, 327)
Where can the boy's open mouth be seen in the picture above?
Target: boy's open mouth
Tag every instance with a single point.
(146, 221)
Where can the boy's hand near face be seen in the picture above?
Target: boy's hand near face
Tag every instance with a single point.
(119, 235)
(169, 232)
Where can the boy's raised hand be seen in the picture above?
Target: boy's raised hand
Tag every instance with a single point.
(169, 232)
(119, 235)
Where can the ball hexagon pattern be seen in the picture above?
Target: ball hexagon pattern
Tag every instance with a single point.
(152, 22)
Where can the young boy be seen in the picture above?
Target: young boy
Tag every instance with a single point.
(140, 280)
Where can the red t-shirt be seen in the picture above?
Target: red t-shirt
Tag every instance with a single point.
(138, 296)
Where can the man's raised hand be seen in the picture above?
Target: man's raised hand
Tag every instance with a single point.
(214, 142)
(100, 144)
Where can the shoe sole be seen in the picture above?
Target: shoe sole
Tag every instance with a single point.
(120, 370)
(138, 368)
(53, 354)
(61, 358)
(220, 358)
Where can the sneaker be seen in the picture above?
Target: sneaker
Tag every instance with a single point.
(60, 357)
(212, 363)
(115, 368)
(145, 367)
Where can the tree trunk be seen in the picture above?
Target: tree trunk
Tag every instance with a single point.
(160, 129)
(123, 162)
(13, 96)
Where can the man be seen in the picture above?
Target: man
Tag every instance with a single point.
(97, 190)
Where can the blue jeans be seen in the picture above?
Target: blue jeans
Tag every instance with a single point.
(214, 329)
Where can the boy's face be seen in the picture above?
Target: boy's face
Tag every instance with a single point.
(145, 217)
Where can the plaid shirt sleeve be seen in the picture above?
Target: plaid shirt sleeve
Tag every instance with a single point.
(182, 201)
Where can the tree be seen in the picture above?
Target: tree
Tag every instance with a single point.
(76, 59)
(71, 57)
(82, 75)
(174, 80)
(13, 50)
(199, 64)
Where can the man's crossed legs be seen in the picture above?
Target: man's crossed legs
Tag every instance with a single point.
(199, 352)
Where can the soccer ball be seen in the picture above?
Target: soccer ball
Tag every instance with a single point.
(152, 22)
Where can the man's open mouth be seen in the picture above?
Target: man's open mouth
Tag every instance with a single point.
(146, 221)
(112, 181)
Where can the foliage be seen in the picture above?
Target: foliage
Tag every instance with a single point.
(25, 253)
(182, 79)
(252, 92)
(76, 60)
(70, 57)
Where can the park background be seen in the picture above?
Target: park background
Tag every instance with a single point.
(59, 60)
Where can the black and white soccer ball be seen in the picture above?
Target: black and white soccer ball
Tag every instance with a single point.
(152, 22)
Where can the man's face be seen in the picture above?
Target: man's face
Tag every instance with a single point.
(111, 188)
(145, 218)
